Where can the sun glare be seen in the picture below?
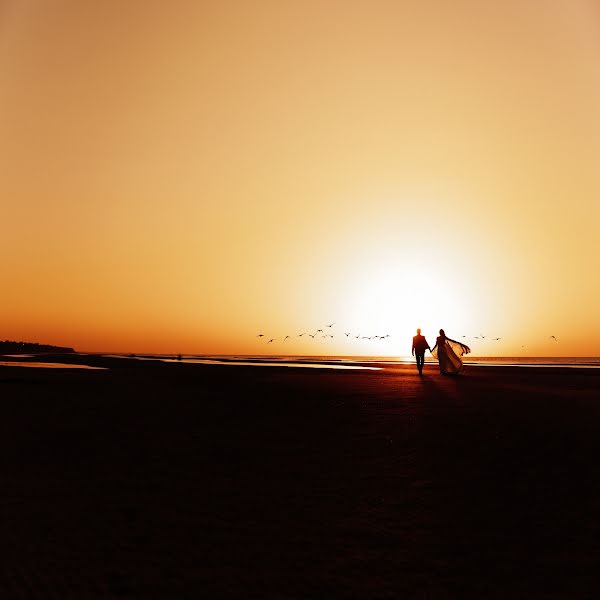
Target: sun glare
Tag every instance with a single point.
(397, 300)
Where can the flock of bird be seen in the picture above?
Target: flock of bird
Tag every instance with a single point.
(496, 339)
(325, 335)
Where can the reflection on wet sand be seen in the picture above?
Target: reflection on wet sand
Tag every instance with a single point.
(48, 365)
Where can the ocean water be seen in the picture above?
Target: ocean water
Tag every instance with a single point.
(366, 362)
(316, 362)
(520, 361)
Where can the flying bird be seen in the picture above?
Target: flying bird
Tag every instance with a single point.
(496, 339)
(312, 335)
(301, 334)
(346, 334)
(553, 337)
(271, 340)
(319, 331)
(287, 337)
(261, 335)
(331, 325)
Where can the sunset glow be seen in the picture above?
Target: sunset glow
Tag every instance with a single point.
(182, 176)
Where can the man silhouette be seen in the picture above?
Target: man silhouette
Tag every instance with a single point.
(418, 350)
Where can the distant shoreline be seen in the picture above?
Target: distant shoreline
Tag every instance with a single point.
(10, 347)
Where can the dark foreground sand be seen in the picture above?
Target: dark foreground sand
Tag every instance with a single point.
(175, 481)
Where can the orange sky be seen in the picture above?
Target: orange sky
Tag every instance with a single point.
(180, 176)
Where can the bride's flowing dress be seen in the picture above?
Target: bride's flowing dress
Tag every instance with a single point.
(449, 353)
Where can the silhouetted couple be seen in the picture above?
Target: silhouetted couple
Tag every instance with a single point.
(447, 351)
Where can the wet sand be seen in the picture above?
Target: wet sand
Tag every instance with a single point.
(154, 480)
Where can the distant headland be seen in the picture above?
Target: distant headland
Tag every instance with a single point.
(8, 347)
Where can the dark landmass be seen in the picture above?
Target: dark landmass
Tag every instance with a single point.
(8, 347)
(170, 480)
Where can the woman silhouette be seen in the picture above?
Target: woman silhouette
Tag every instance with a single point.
(449, 352)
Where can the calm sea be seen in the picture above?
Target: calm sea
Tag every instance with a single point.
(309, 362)
(367, 362)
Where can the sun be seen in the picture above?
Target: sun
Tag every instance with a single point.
(396, 299)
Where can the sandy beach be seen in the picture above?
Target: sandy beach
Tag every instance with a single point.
(162, 480)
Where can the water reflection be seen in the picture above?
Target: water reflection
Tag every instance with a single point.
(207, 361)
(48, 365)
(249, 363)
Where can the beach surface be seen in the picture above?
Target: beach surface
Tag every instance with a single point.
(164, 480)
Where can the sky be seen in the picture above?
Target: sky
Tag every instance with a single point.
(183, 176)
